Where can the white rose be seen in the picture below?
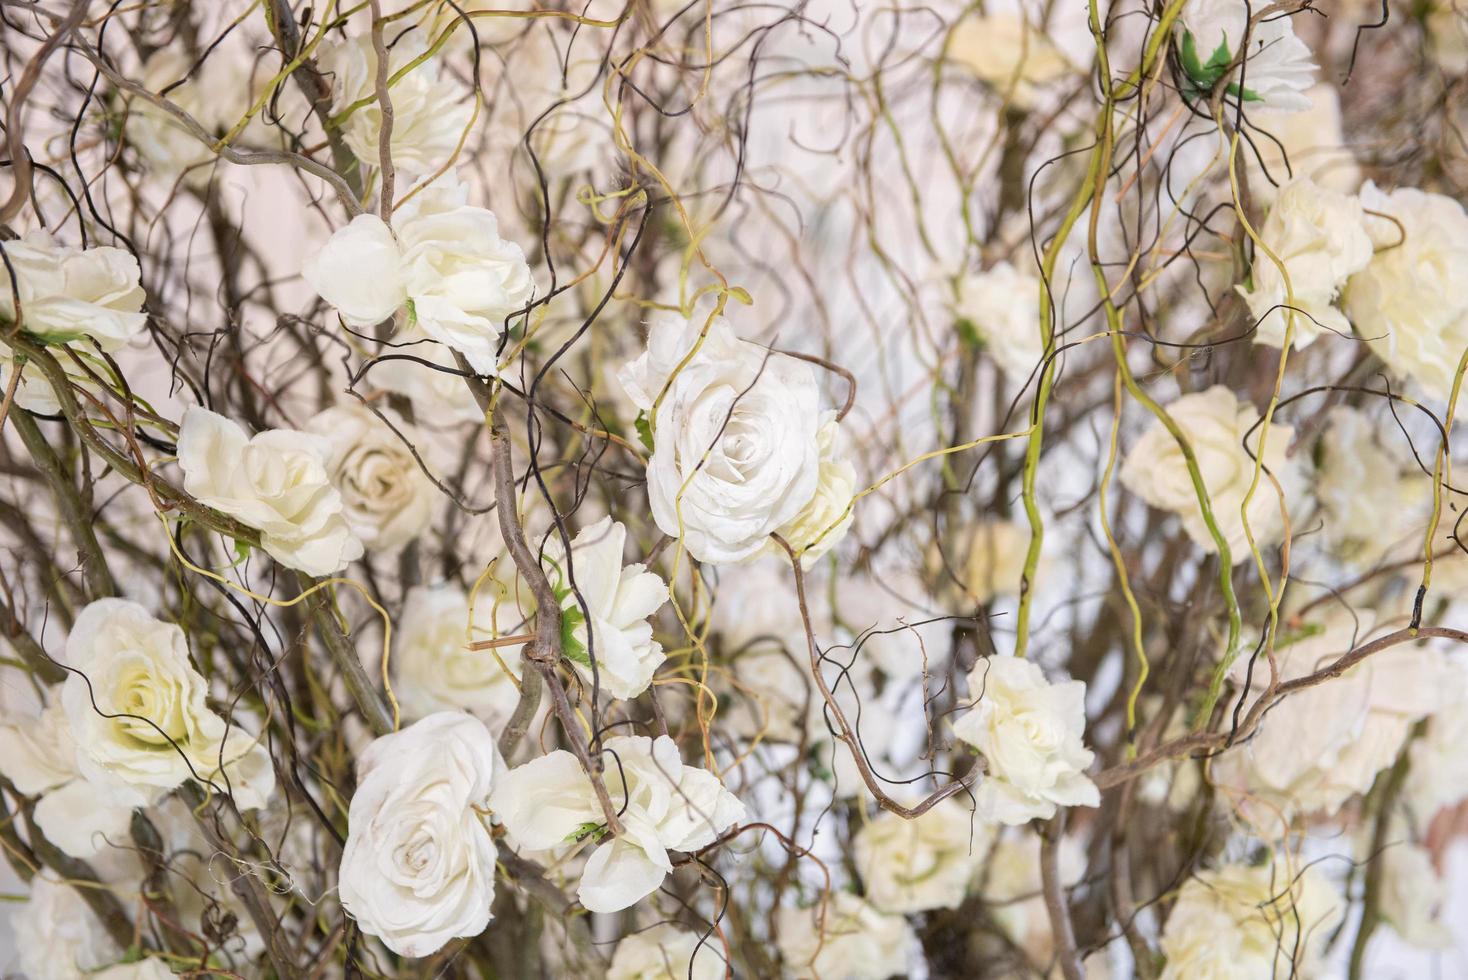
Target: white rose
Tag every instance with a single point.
(430, 113)
(736, 448)
(216, 92)
(418, 868)
(844, 939)
(1214, 422)
(1414, 898)
(925, 863)
(1375, 503)
(136, 708)
(1447, 36)
(1409, 302)
(1438, 772)
(1003, 306)
(1010, 54)
(666, 806)
(57, 936)
(1316, 749)
(1309, 143)
(276, 482)
(1030, 732)
(39, 757)
(443, 258)
(1276, 72)
(1320, 236)
(387, 500)
(33, 392)
(825, 519)
(665, 952)
(996, 560)
(69, 294)
(438, 397)
(433, 667)
(619, 600)
(1240, 921)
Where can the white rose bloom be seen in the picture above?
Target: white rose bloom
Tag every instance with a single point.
(1238, 923)
(430, 112)
(148, 969)
(276, 482)
(34, 392)
(442, 257)
(666, 952)
(387, 500)
(137, 712)
(1414, 897)
(69, 293)
(39, 757)
(925, 863)
(667, 806)
(1316, 749)
(439, 397)
(619, 599)
(418, 868)
(1438, 772)
(996, 560)
(57, 936)
(1215, 422)
(217, 92)
(1013, 56)
(1320, 236)
(1447, 36)
(1030, 732)
(826, 518)
(844, 938)
(433, 667)
(1375, 504)
(736, 435)
(1301, 144)
(1277, 70)
(1003, 305)
(1409, 302)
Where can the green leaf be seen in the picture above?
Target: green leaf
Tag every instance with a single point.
(644, 430)
(572, 619)
(412, 315)
(968, 332)
(596, 831)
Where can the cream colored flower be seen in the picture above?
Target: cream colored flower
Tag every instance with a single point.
(1375, 504)
(1014, 891)
(57, 936)
(137, 712)
(69, 294)
(1243, 922)
(1438, 772)
(418, 868)
(996, 560)
(1309, 143)
(617, 603)
(276, 482)
(1002, 305)
(666, 806)
(387, 500)
(433, 667)
(430, 111)
(1325, 744)
(1030, 732)
(39, 757)
(1276, 70)
(1409, 302)
(736, 444)
(925, 863)
(442, 258)
(844, 938)
(439, 397)
(826, 518)
(1414, 897)
(1320, 236)
(1447, 35)
(216, 92)
(1215, 423)
(1013, 56)
(666, 952)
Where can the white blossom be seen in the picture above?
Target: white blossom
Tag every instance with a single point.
(1030, 731)
(1002, 305)
(69, 294)
(928, 862)
(665, 952)
(418, 868)
(387, 499)
(1277, 68)
(433, 667)
(844, 938)
(665, 806)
